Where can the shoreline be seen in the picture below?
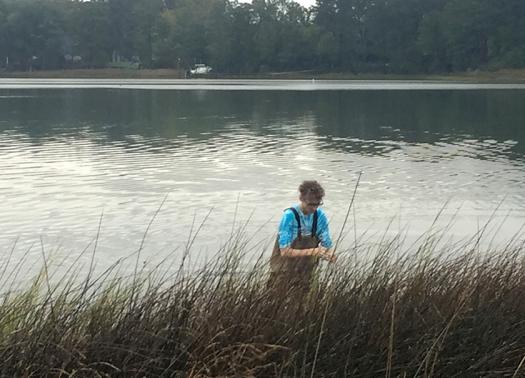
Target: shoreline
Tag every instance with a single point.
(501, 76)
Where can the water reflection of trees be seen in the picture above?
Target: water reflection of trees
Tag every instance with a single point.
(422, 117)
(358, 121)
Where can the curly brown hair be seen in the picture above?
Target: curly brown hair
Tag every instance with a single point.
(311, 188)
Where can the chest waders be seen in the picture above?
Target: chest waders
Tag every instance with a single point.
(295, 272)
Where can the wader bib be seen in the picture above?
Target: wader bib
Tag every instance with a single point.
(295, 272)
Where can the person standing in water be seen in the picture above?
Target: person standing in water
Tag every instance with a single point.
(303, 239)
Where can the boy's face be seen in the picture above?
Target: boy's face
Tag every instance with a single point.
(310, 203)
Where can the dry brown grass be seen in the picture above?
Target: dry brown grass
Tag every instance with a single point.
(428, 313)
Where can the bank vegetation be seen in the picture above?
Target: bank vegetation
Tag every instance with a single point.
(261, 36)
(431, 309)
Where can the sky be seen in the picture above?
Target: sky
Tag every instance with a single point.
(305, 3)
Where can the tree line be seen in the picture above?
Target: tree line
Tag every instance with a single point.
(386, 36)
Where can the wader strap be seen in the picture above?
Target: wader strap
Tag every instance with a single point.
(298, 219)
(314, 225)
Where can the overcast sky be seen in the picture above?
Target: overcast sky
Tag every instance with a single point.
(305, 3)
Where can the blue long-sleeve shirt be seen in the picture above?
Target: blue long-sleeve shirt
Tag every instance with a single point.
(289, 231)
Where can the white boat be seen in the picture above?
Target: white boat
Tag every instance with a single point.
(200, 69)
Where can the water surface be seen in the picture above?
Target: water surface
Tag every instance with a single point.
(72, 154)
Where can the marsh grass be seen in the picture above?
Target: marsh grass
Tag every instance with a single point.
(383, 309)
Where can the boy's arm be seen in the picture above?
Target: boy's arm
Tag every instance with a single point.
(322, 252)
(290, 252)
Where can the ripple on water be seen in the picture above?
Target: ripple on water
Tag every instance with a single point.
(59, 185)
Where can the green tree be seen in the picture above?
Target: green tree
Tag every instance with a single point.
(221, 36)
(145, 15)
(164, 53)
(297, 36)
(392, 30)
(506, 43)
(191, 31)
(266, 35)
(244, 55)
(122, 26)
(35, 33)
(189, 34)
(3, 35)
(345, 23)
(432, 43)
(90, 30)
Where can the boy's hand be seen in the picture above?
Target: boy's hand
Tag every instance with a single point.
(327, 254)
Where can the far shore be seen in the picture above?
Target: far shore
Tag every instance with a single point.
(501, 76)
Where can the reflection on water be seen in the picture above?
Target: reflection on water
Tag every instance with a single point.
(69, 155)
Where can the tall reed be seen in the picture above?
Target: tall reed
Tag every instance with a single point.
(381, 310)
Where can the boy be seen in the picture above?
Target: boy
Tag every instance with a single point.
(303, 238)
